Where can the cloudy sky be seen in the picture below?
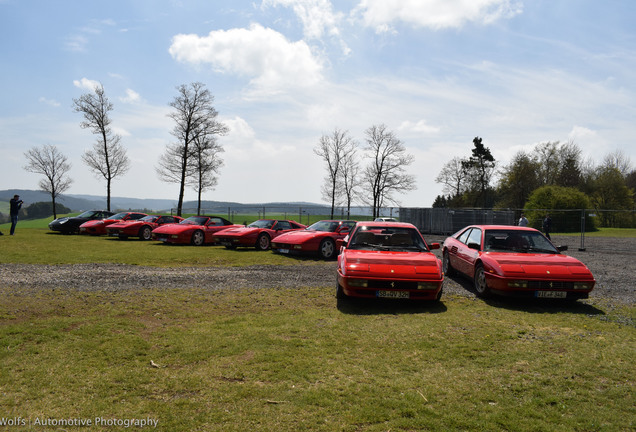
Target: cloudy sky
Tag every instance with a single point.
(284, 72)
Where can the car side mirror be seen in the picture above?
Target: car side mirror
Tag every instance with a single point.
(434, 246)
(474, 246)
(562, 248)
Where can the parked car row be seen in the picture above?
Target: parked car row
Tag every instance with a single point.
(385, 259)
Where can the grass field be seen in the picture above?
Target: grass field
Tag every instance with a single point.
(296, 359)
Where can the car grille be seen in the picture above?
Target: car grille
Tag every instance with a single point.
(550, 285)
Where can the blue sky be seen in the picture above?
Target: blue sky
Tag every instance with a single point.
(284, 72)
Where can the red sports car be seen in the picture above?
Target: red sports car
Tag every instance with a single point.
(513, 260)
(195, 230)
(98, 227)
(388, 260)
(318, 238)
(258, 234)
(141, 228)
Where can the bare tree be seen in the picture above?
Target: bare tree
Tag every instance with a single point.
(385, 175)
(206, 163)
(453, 177)
(108, 158)
(333, 150)
(48, 161)
(195, 119)
(350, 179)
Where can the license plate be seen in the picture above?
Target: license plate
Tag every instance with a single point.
(283, 250)
(225, 243)
(552, 294)
(163, 239)
(393, 294)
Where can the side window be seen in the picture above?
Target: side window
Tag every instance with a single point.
(215, 222)
(137, 216)
(464, 236)
(282, 225)
(475, 236)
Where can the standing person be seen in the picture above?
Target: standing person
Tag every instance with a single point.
(547, 226)
(523, 221)
(16, 205)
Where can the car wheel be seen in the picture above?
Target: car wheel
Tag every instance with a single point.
(327, 249)
(198, 238)
(262, 243)
(145, 233)
(481, 287)
(447, 268)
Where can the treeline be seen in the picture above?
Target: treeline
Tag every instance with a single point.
(553, 175)
(37, 210)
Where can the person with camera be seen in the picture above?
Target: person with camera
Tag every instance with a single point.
(16, 205)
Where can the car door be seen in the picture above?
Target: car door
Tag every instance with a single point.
(470, 252)
(281, 227)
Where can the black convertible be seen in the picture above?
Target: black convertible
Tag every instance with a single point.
(70, 225)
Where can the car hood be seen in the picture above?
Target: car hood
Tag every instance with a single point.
(394, 264)
(175, 228)
(124, 223)
(301, 236)
(537, 265)
(239, 231)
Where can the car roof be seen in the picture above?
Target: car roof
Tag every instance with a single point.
(502, 227)
(386, 224)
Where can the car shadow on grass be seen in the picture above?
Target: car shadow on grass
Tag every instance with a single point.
(530, 304)
(369, 306)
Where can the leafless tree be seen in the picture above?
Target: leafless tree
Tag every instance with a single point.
(108, 158)
(453, 177)
(350, 179)
(333, 149)
(195, 119)
(206, 163)
(385, 175)
(48, 161)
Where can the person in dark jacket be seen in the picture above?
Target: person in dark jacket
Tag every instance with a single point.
(547, 226)
(16, 205)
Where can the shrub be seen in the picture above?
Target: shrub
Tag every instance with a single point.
(563, 204)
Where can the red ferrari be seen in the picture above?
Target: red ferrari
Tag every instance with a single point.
(98, 227)
(141, 228)
(195, 230)
(513, 260)
(388, 260)
(258, 234)
(319, 238)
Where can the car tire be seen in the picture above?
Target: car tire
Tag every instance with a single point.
(263, 242)
(479, 282)
(446, 265)
(145, 233)
(327, 249)
(198, 238)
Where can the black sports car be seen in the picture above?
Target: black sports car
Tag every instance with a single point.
(70, 225)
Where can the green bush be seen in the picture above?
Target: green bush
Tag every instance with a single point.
(40, 210)
(564, 205)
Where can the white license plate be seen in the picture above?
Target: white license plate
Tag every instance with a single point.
(393, 294)
(552, 294)
(283, 250)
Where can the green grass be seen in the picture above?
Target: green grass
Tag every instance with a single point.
(289, 360)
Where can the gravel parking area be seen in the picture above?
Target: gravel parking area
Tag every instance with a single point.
(614, 272)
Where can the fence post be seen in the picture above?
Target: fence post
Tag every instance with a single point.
(582, 247)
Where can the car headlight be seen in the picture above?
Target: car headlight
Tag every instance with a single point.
(298, 247)
(174, 236)
(582, 285)
(361, 283)
(518, 284)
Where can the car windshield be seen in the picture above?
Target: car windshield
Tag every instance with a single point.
(194, 220)
(517, 241)
(388, 238)
(149, 218)
(88, 214)
(118, 216)
(326, 226)
(263, 223)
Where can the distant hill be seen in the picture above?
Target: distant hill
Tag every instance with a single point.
(79, 203)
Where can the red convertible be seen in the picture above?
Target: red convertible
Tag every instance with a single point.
(319, 238)
(512, 260)
(141, 228)
(98, 227)
(389, 260)
(258, 234)
(195, 230)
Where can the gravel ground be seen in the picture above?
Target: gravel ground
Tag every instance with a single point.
(612, 262)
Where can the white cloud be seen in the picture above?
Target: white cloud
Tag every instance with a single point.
(50, 102)
(435, 14)
(420, 126)
(131, 97)
(76, 43)
(266, 56)
(86, 84)
(317, 16)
